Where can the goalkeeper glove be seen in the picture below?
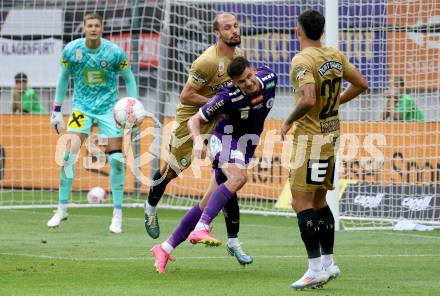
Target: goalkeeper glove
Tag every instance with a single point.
(56, 119)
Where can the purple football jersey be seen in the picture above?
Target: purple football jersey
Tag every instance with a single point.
(237, 133)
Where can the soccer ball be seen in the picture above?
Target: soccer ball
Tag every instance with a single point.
(97, 195)
(129, 112)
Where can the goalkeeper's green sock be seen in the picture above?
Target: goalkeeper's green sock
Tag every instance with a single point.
(66, 177)
(117, 177)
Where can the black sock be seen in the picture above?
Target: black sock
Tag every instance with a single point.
(326, 223)
(157, 190)
(308, 226)
(231, 212)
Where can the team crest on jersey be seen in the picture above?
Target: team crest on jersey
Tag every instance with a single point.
(221, 66)
(104, 64)
(78, 54)
(244, 113)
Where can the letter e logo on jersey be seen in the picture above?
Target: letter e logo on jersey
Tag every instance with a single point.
(94, 76)
(316, 171)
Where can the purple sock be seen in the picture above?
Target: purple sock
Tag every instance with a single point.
(218, 200)
(186, 225)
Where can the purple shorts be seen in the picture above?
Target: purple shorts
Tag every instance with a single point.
(227, 149)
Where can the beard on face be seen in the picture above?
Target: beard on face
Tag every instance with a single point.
(232, 43)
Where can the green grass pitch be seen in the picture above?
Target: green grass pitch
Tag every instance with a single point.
(83, 258)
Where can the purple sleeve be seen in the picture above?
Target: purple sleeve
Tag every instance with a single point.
(215, 106)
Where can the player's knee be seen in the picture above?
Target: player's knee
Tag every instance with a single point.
(116, 161)
(238, 181)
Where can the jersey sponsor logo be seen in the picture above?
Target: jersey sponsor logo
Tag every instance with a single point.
(64, 63)
(267, 77)
(236, 99)
(300, 72)
(236, 92)
(94, 76)
(244, 112)
(214, 107)
(368, 201)
(316, 171)
(330, 65)
(78, 54)
(76, 120)
(417, 204)
(270, 84)
(257, 100)
(217, 87)
(104, 64)
(123, 65)
(329, 126)
(269, 103)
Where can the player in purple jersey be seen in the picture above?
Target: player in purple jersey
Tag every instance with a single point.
(244, 106)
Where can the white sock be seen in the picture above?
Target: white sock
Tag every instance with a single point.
(150, 210)
(117, 212)
(233, 242)
(327, 260)
(315, 264)
(62, 207)
(201, 226)
(167, 247)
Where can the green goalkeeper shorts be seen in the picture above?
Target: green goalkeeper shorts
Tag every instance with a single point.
(81, 122)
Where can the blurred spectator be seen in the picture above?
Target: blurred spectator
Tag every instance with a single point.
(399, 105)
(25, 98)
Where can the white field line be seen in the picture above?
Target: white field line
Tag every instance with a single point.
(173, 221)
(149, 258)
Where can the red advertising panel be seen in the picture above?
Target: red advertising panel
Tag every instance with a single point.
(148, 47)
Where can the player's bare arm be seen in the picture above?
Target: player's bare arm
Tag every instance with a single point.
(194, 124)
(307, 101)
(190, 96)
(358, 85)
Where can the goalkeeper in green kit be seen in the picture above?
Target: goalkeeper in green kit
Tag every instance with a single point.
(94, 64)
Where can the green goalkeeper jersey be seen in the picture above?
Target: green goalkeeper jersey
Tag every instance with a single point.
(94, 73)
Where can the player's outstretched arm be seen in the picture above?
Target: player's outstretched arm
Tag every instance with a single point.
(194, 124)
(130, 83)
(56, 118)
(358, 85)
(190, 96)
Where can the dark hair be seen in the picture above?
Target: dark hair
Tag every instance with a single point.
(215, 24)
(312, 22)
(20, 77)
(92, 16)
(237, 66)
